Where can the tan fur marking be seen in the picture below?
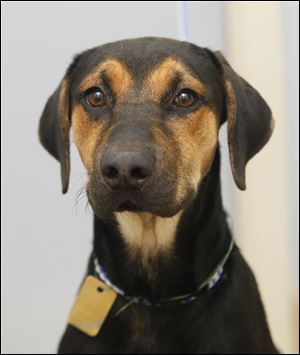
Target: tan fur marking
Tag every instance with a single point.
(119, 77)
(147, 235)
(160, 78)
(64, 123)
(62, 102)
(272, 125)
(166, 144)
(87, 134)
(231, 121)
(197, 136)
(63, 108)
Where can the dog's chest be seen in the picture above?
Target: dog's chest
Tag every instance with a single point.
(142, 330)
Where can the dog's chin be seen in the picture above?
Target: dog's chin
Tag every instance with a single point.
(166, 210)
(106, 205)
(129, 206)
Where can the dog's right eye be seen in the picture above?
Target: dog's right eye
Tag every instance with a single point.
(185, 99)
(95, 97)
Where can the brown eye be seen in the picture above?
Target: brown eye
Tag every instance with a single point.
(95, 97)
(185, 98)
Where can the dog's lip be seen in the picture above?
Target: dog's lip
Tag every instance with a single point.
(128, 205)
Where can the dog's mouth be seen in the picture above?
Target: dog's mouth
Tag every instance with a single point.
(128, 206)
(157, 199)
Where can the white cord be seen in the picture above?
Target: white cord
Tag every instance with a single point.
(182, 20)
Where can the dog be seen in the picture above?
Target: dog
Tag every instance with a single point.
(164, 276)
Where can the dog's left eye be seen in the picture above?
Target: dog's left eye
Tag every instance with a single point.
(95, 97)
(186, 98)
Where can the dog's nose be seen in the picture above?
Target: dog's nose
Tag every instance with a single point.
(128, 170)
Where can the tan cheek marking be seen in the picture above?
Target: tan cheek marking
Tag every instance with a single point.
(167, 148)
(147, 236)
(119, 77)
(197, 135)
(87, 134)
(159, 80)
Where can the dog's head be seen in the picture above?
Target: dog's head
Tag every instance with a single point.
(145, 115)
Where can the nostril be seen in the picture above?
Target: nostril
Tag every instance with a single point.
(137, 173)
(111, 172)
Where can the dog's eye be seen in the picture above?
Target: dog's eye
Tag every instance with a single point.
(186, 98)
(95, 97)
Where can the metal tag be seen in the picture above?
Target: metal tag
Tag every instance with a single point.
(92, 306)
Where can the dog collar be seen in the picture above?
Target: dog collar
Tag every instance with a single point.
(208, 283)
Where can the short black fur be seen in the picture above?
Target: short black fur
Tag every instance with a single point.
(227, 319)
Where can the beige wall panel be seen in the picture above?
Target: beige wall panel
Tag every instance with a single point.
(255, 50)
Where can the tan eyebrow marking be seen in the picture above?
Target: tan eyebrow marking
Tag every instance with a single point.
(159, 80)
(119, 78)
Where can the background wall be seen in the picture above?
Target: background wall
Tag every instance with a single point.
(46, 239)
(265, 225)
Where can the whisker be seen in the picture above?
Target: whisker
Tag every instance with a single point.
(87, 208)
(80, 195)
(79, 177)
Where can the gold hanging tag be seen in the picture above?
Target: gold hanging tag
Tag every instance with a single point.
(92, 306)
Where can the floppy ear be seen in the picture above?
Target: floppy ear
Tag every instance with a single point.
(249, 119)
(55, 125)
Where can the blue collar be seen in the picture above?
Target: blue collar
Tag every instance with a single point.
(208, 283)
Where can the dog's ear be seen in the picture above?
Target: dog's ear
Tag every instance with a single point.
(55, 125)
(249, 119)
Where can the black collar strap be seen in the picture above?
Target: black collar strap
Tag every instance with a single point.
(208, 283)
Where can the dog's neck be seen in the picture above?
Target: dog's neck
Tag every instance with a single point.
(200, 238)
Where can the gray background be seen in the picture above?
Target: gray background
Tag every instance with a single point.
(46, 239)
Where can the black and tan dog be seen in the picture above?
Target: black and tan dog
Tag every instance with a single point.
(145, 115)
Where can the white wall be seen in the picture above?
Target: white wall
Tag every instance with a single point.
(46, 243)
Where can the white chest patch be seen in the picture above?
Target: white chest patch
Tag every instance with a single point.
(146, 235)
